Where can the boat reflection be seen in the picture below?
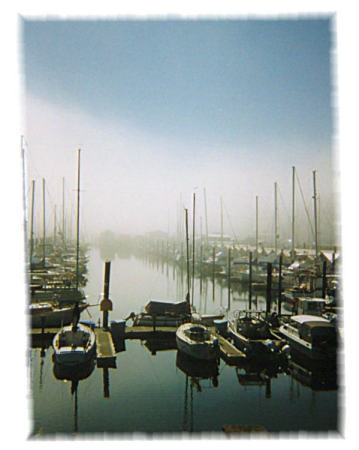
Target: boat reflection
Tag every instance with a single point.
(195, 371)
(198, 369)
(319, 376)
(156, 344)
(259, 373)
(75, 375)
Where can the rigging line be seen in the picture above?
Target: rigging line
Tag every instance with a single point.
(305, 206)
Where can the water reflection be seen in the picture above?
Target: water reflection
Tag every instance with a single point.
(166, 391)
(196, 371)
(74, 375)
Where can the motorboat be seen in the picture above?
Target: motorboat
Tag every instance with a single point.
(74, 345)
(312, 336)
(251, 334)
(196, 340)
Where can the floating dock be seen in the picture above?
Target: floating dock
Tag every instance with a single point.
(144, 332)
(106, 354)
(229, 353)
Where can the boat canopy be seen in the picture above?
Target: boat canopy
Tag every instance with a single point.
(304, 318)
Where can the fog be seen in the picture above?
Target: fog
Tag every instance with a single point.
(133, 182)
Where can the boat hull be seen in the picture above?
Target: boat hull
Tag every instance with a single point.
(72, 348)
(204, 350)
(307, 351)
(57, 317)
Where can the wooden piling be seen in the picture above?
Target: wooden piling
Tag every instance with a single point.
(106, 304)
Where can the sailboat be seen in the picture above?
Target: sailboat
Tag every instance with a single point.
(194, 339)
(76, 343)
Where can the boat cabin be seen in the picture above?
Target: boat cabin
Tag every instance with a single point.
(310, 306)
(315, 330)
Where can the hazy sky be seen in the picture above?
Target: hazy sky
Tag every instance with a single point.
(163, 107)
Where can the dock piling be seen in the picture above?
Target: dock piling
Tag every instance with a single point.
(106, 304)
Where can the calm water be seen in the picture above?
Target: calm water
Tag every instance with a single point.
(156, 391)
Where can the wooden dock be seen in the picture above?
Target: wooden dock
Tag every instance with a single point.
(229, 353)
(145, 332)
(42, 338)
(106, 354)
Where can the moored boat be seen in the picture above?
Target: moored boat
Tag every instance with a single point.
(312, 336)
(251, 334)
(48, 314)
(197, 341)
(74, 345)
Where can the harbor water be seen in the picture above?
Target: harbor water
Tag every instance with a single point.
(153, 390)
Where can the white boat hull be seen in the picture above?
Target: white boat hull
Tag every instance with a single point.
(204, 350)
(73, 348)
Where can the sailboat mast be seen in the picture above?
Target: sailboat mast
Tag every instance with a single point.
(54, 224)
(78, 220)
(257, 227)
(187, 258)
(32, 220)
(205, 213)
(193, 242)
(63, 209)
(221, 223)
(43, 223)
(315, 198)
(275, 217)
(293, 212)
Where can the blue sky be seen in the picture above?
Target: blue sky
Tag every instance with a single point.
(224, 80)
(230, 105)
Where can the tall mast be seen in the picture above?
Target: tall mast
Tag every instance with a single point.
(293, 212)
(63, 209)
(222, 223)
(54, 224)
(43, 222)
(275, 217)
(32, 220)
(78, 219)
(187, 258)
(205, 213)
(193, 242)
(315, 198)
(257, 227)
